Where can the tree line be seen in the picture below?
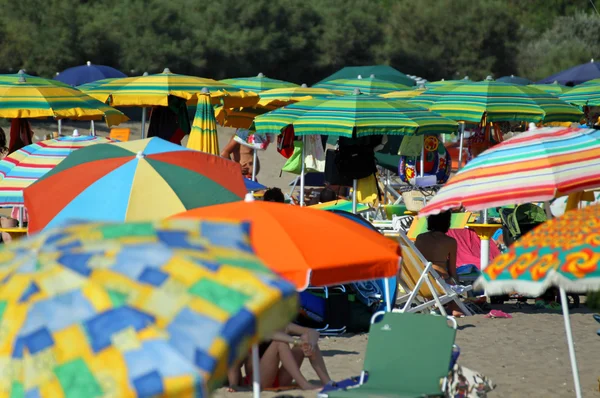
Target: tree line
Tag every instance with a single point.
(300, 40)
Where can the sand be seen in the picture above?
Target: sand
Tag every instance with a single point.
(526, 356)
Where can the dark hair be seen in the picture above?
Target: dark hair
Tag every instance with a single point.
(439, 222)
(274, 195)
(327, 195)
(3, 147)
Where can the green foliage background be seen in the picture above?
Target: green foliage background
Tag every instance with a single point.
(300, 40)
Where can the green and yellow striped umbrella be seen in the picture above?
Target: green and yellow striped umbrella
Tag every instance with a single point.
(552, 88)
(443, 82)
(587, 94)
(354, 116)
(497, 102)
(241, 118)
(98, 89)
(154, 90)
(404, 95)
(257, 83)
(279, 97)
(203, 136)
(12, 78)
(24, 99)
(369, 85)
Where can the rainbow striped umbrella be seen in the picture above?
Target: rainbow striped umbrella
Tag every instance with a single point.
(587, 94)
(258, 83)
(497, 102)
(369, 85)
(534, 166)
(137, 180)
(203, 136)
(134, 310)
(24, 99)
(25, 166)
(284, 96)
(552, 88)
(354, 116)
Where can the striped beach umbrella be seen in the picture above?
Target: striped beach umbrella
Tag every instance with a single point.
(498, 102)
(257, 83)
(242, 118)
(354, 116)
(367, 85)
(12, 78)
(552, 88)
(404, 94)
(25, 166)
(587, 94)
(203, 136)
(514, 80)
(444, 82)
(131, 181)
(98, 89)
(534, 166)
(24, 99)
(284, 96)
(134, 309)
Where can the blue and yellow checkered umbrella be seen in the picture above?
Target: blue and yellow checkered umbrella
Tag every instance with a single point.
(126, 310)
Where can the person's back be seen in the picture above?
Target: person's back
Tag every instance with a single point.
(437, 247)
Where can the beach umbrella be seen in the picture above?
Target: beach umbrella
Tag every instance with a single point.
(575, 75)
(383, 72)
(12, 78)
(203, 136)
(562, 252)
(24, 99)
(23, 167)
(404, 94)
(257, 83)
(98, 89)
(587, 94)
(253, 185)
(497, 102)
(242, 118)
(552, 88)
(445, 82)
(514, 80)
(131, 181)
(135, 309)
(286, 239)
(284, 96)
(367, 85)
(88, 73)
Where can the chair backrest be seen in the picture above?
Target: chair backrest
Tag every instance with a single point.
(409, 353)
(419, 224)
(120, 134)
(413, 265)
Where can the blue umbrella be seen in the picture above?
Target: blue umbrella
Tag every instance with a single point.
(576, 75)
(88, 73)
(253, 185)
(514, 80)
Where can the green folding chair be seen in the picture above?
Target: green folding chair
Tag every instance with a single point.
(408, 355)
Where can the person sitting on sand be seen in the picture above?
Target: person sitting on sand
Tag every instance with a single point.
(280, 364)
(274, 195)
(440, 249)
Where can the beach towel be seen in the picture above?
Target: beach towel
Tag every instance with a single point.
(21, 135)
(466, 383)
(469, 247)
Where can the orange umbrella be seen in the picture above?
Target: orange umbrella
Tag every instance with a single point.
(309, 246)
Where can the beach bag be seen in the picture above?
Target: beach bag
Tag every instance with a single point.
(520, 220)
(294, 162)
(355, 162)
(314, 155)
(285, 142)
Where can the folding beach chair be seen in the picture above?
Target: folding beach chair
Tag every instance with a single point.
(408, 355)
(424, 288)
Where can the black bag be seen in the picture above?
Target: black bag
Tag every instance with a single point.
(332, 174)
(355, 162)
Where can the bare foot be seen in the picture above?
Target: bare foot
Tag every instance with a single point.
(457, 314)
(311, 386)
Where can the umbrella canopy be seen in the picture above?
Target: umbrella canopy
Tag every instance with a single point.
(25, 166)
(13, 78)
(561, 252)
(354, 116)
(575, 75)
(496, 101)
(587, 94)
(24, 99)
(534, 166)
(284, 96)
(444, 82)
(257, 83)
(134, 310)
(383, 72)
(368, 85)
(287, 240)
(88, 73)
(154, 90)
(242, 118)
(203, 136)
(514, 80)
(552, 88)
(131, 181)
(404, 94)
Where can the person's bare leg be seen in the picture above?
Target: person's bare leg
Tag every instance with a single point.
(288, 362)
(7, 223)
(285, 379)
(318, 364)
(269, 365)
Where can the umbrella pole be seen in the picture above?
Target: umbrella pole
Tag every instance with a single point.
(254, 161)
(143, 122)
(422, 161)
(59, 127)
(565, 309)
(461, 133)
(92, 128)
(21, 216)
(354, 200)
(386, 291)
(484, 256)
(302, 171)
(255, 372)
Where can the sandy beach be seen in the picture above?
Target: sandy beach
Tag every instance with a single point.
(525, 356)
